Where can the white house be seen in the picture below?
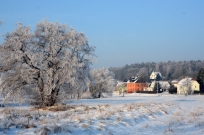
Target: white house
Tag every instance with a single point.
(151, 86)
(164, 85)
(187, 86)
(156, 76)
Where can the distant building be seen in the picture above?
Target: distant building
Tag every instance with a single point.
(156, 76)
(175, 82)
(150, 87)
(163, 85)
(137, 84)
(187, 86)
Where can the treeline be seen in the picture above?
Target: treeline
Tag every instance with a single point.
(170, 70)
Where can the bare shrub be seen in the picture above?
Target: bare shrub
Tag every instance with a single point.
(198, 112)
(118, 119)
(85, 126)
(170, 125)
(66, 115)
(43, 131)
(76, 118)
(45, 121)
(56, 129)
(57, 108)
(107, 106)
(129, 108)
(199, 123)
(100, 110)
(146, 126)
(109, 112)
(177, 114)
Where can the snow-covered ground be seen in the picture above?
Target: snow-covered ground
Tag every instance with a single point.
(133, 114)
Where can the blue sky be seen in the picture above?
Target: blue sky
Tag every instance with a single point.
(123, 31)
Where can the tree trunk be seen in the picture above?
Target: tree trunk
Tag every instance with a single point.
(47, 101)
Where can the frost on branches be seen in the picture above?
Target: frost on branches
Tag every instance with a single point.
(104, 83)
(50, 62)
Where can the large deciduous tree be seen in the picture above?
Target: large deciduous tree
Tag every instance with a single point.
(44, 62)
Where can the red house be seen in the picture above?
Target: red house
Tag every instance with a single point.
(136, 84)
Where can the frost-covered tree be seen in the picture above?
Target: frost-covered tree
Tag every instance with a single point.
(188, 85)
(185, 86)
(144, 74)
(51, 62)
(104, 83)
(121, 88)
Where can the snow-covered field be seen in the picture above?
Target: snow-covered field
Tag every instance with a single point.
(133, 114)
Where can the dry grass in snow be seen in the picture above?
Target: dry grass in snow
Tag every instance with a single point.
(151, 117)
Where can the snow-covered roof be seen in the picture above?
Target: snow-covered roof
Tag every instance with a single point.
(119, 83)
(135, 78)
(164, 84)
(184, 81)
(155, 74)
(175, 81)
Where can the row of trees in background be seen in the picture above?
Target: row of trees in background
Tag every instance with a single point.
(51, 63)
(170, 70)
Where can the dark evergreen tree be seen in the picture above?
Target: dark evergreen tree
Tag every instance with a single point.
(200, 79)
(157, 87)
(158, 78)
(125, 80)
(172, 89)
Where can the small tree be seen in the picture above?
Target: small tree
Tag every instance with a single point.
(157, 86)
(185, 86)
(121, 88)
(44, 61)
(122, 91)
(104, 82)
(188, 85)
